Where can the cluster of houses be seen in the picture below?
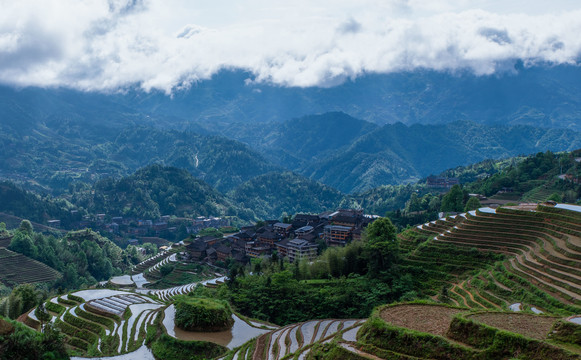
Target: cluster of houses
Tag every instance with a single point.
(297, 240)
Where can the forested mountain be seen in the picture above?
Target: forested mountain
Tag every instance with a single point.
(154, 191)
(296, 142)
(353, 155)
(55, 158)
(16, 201)
(51, 138)
(396, 153)
(82, 257)
(270, 195)
(538, 96)
(221, 162)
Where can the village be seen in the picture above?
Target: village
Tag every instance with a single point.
(301, 238)
(213, 240)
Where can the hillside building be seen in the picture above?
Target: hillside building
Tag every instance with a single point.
(337, 235)
(282, 229)
(298, 249)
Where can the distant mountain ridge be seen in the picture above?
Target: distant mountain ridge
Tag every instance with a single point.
(545, 96)
(375, 130)
(353, 155)
(348, 154)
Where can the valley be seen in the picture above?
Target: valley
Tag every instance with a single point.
(469, 281)
(495, 282)
(314, 180)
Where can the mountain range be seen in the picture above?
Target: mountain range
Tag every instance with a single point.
(228, 131)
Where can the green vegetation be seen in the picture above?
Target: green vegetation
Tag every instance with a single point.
(270, 195)
(32, 206)
(534, 178)
(566, 332)
(83, 257)
(332, 351)
(19, 269)
(180, 273)
(167, 347)
(202, 314)
(350, 282)
(22, 298)
(458, 337)
(154, 191)
(20, 342)
(164, 346)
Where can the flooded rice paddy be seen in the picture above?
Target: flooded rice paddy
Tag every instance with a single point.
(240, 332)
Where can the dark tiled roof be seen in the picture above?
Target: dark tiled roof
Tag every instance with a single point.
(268, 235)
(224, 249)
(196, 246)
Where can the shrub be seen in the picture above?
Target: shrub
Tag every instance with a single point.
(202, 314)
(76, 298)
(566, 331)
(55, 308)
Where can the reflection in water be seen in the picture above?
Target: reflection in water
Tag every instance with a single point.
(139, 280)
(143, 353)
(93, 294)
(123, 280)
(240, 333)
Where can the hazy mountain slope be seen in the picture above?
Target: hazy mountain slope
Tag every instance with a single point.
(540, 96)
(154, 191)
(295, 142)
(221, 162)
(396, 153)
(56, 154)
(269, 195)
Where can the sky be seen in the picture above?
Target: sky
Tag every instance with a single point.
(168, 45)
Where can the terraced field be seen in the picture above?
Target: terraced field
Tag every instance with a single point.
(429, 331)
(486, 264)
(168, 294)
(20, 269)
(297, 340)
(157, 260)
(541, 265)
(108, 322)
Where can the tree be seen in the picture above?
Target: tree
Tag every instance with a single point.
(453, 200)
(22, 243)
(23, 298)
(472, 204)
(150, 249)
(25, 227)
(257, 265)
(381, 249)
(413, 204)
(555, 197)
(444, 294)
(42, 315)
(166, 269)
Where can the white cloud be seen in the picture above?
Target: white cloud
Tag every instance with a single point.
(107, 45)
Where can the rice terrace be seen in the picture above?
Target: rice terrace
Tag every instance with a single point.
(505, 282)
(283, 180)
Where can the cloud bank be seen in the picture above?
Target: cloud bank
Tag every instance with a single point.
(99, 45)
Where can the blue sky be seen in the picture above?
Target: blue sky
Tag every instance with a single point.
(170, 44)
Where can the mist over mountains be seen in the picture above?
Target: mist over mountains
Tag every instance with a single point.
(539, 96)
(376, 130)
